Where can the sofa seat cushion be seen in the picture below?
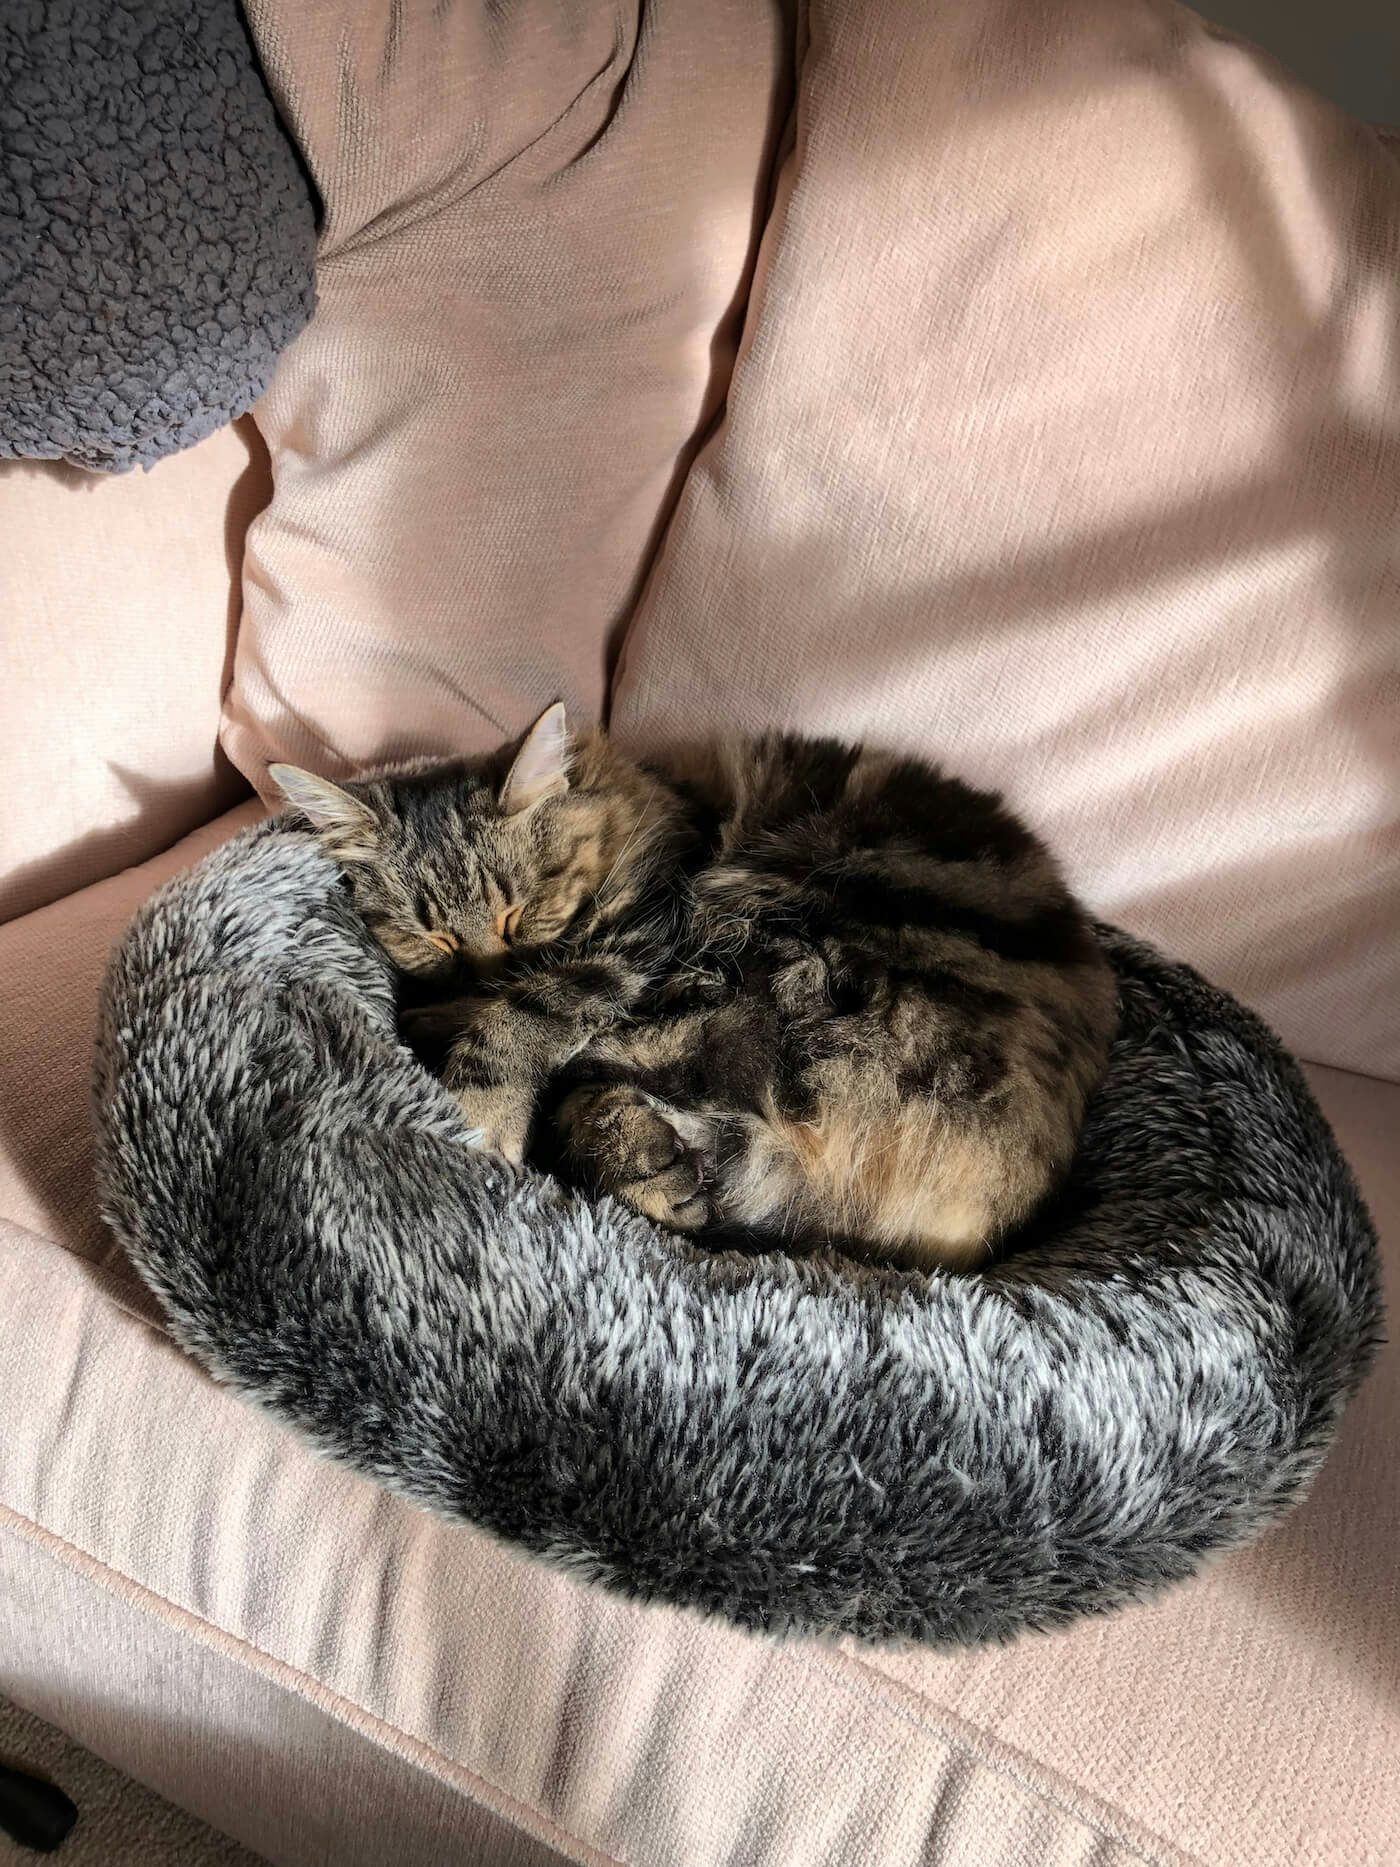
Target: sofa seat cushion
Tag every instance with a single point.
(1064, 445)
(1251, 1716)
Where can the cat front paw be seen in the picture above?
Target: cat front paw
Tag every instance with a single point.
(436, 1023)
(632, 1148)
(430, 1031)
(674, 1196)
(497, 1119)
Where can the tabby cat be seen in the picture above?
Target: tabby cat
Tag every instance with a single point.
(809, 990)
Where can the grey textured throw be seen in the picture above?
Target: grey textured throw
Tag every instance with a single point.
(1154, 1375)
(157, 232)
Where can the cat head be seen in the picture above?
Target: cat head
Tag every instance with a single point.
(457, 866)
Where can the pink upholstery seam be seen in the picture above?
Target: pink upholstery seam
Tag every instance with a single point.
(1033, 1778)
(303, 1685)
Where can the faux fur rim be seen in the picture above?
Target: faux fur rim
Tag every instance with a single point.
(1154, 1374)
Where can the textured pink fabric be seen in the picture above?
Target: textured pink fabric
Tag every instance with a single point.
(222, 1734)
(119, 598)
(540, 222)
(1064, 444)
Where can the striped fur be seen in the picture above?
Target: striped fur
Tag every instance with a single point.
(811, 991)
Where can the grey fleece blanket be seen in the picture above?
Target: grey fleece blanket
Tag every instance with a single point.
(157, 232)
(1156, 1373)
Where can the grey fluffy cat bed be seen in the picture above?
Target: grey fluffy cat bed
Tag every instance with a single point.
(1153, 1374)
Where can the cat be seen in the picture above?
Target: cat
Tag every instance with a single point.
(811, 991)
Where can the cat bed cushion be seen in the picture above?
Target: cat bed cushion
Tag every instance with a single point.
(1154, 1374)
(159, 229)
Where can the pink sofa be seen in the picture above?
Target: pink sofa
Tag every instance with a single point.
(1059, 361)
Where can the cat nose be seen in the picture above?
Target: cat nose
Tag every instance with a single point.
(483, 959)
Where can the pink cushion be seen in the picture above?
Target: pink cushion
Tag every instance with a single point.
(539, 225)
(120, 598)
(1064, 444)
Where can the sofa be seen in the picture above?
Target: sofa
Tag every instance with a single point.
(1016, 385)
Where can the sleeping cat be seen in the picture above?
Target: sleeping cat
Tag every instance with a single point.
(810, 990)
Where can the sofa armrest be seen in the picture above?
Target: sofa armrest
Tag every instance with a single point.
(120, 597)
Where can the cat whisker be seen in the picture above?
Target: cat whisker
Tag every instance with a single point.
(596, 897)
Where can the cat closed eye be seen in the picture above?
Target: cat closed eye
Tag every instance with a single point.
(444, 942)
(506, 923)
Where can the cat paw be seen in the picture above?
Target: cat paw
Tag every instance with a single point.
(430, 1031)
(497, 1121)
(638, 1156)
(425, 1024)
(675, 1197)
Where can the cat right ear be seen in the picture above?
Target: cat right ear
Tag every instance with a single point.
(541, 768)
(347, 825)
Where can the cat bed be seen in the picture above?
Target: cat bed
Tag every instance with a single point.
(1153, 1373)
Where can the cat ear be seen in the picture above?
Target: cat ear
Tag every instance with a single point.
(541, 767)
(348, 825)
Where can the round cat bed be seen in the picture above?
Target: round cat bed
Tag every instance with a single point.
(1153, 1373)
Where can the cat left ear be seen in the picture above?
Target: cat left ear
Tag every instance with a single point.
(347, 825)
(541, 767)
